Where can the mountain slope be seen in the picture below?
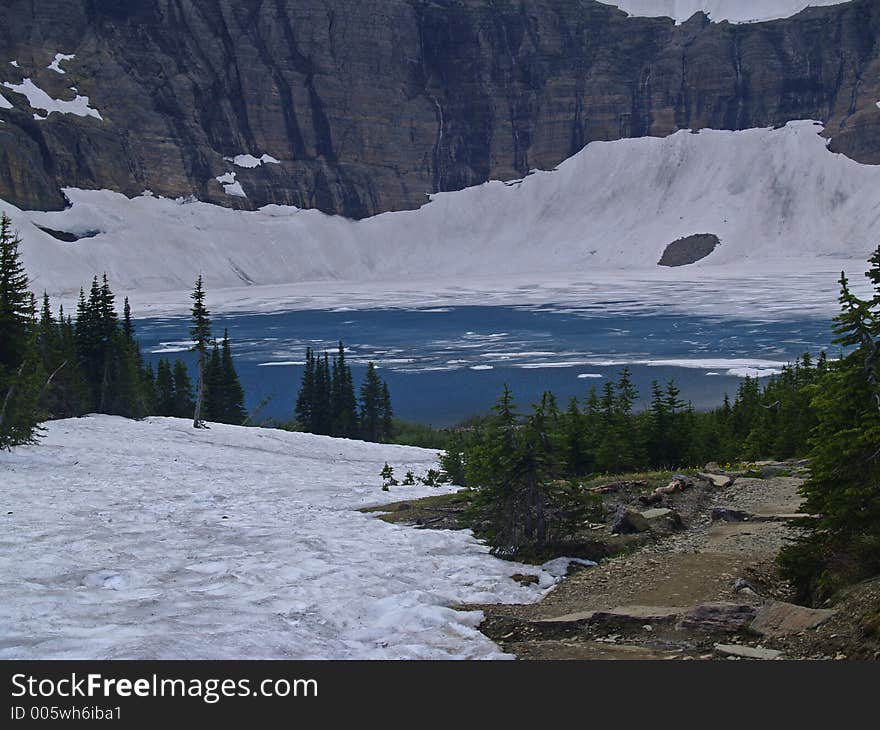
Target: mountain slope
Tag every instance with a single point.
(369, 107)
(766, 194)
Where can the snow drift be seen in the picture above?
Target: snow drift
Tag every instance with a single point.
(151, 540)
(766, 193)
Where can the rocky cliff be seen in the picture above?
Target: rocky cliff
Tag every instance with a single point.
(368, 106)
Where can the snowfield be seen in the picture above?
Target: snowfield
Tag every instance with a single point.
(778, 200)
(151, 540)
(736, 11)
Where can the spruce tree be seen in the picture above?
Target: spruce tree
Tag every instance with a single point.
(371, 405)
(184, 401)
(213, 403)
(165, 393)
(20, 361)
(234, 412)
(842, 545)
(306, 397)
(200, 331)
(387, 425)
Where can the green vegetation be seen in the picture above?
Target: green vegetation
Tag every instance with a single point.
(62, 367)
(843, 545)
(326, 402)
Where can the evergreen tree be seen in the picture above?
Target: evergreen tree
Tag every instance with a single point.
(842, 546)
(371, 405)
(165, 392)
(343, 400)
(387, 422)
(234, 412)
(20, 361)
(200, 331)
(184, 401)
(213, 403)
(306, 398)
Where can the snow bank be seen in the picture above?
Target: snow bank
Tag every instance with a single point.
(151, 540)
(736, 11)
(779, 200)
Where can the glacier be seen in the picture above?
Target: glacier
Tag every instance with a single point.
(735, 11)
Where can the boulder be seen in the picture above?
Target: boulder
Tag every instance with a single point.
(719, 480)
(663, 517)
(628, 522)
(726, 618)
(782, 619)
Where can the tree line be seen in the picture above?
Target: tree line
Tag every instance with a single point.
(61, 366)
(526, 467)
(327, 405)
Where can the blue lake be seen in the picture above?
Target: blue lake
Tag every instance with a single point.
(443, 365)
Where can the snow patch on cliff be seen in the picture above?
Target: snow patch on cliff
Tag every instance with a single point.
(736, 11)
(231, 186)
(249, 161)
(58, 60)
(39, 99)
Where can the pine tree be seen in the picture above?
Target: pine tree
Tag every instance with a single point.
(165, 393)
(387, 421)
(184, 401)
(200, 331)
(371, 405)
(213, 377)
(20, 361)
(842, 546)
(234, 412)
(306, 397)
(343, 400)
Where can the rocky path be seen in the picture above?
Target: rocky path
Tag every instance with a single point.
(709, 591)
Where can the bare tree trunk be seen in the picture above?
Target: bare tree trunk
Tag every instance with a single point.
(51, 378)
(200, 394)
(9, 394)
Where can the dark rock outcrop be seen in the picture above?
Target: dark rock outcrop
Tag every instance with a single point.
(370, 106)
(689, 250)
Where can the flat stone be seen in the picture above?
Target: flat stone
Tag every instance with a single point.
(718, 480)
(730, 515)
(747, 652)
(782, 619)
(656, 514)
(639, 614)
(579, 617)
(727, 618)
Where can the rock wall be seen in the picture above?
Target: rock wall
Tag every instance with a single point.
(370, 106)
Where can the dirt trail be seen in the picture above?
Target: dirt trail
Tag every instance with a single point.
(710, 562)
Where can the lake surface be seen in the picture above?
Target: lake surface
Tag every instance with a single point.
(447, 363)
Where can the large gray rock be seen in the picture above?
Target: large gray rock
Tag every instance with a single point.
(628, 522)
(782, 619)
(747, 652)
(369, 106)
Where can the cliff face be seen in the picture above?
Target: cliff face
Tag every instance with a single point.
(369, 106)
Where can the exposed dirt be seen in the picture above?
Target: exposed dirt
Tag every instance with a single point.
(638, 604)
